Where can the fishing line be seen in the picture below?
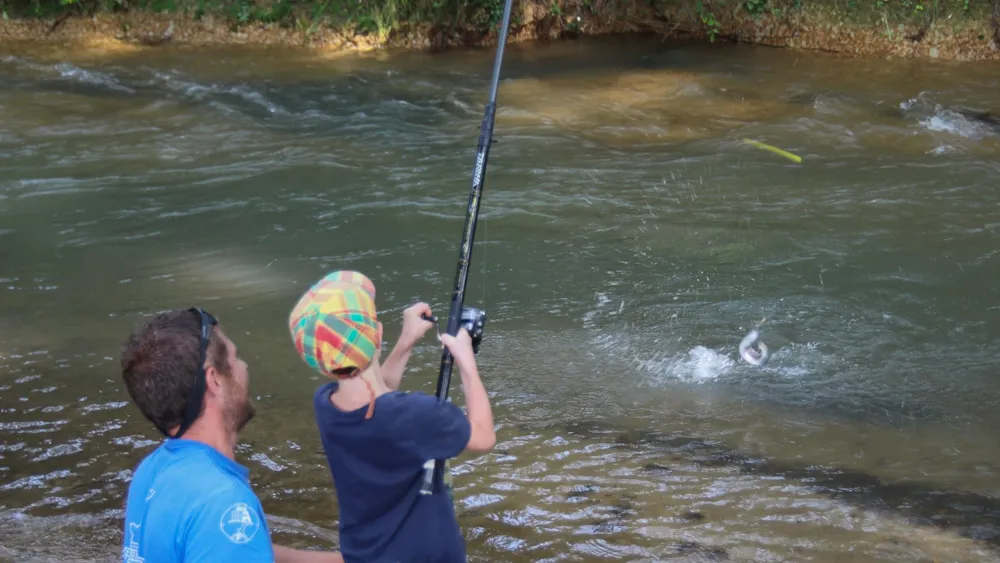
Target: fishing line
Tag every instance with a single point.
(486, 253)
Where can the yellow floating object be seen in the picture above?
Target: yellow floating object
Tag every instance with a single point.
(794, 158)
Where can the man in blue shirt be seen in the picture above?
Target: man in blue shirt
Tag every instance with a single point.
(189, 500)
(377, 439)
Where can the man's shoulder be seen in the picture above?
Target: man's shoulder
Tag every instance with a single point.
(215, 520)
(181, 498)
(191, 476)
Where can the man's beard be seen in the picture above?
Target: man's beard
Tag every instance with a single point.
(240, 412)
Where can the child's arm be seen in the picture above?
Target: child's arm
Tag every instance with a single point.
(414, 328)
(483, 437)
(433, 429)
(288, 555)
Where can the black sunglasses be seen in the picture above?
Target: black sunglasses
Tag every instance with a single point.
(198, 393)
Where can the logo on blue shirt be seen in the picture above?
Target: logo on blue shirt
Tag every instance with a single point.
(131, 553)
(239, 524)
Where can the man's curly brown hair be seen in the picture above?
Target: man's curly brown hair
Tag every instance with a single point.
(160, 363)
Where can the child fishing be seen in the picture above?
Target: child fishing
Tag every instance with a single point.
(377, 438)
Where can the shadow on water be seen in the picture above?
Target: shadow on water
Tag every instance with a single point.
(971, 515)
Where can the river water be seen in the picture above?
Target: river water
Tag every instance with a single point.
(629, 239)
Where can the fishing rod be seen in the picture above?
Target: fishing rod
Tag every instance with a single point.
(460, 316)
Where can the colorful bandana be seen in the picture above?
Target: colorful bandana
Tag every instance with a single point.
(334, 324)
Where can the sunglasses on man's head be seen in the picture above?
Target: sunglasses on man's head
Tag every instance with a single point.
(197, 396)
(207, 322)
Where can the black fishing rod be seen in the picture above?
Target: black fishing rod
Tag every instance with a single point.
(460, 316)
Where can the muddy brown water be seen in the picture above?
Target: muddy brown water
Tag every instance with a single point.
(629, 240)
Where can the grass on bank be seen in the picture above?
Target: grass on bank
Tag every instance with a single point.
(887, 15)
(384, 17)
(360, 16)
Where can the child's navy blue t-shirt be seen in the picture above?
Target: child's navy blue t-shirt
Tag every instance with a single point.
(377, 468)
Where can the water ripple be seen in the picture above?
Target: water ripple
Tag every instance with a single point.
(628, 239)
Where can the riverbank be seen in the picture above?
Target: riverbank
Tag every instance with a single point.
(952, 29)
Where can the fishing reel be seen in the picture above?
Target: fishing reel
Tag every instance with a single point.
(472, 320)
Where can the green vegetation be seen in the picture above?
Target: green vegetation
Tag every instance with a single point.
(892, 15)
(359, 16)
(383, 18)
(913, 11)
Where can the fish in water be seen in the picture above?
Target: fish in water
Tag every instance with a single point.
(751, 355)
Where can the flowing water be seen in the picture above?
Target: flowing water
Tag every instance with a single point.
(629, 239)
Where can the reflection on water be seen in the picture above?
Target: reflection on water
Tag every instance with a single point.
(629, 240)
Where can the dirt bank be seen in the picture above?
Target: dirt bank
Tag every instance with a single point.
(898, 28)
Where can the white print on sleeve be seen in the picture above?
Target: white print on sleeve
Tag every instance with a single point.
(131, 553)
(239, 523)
